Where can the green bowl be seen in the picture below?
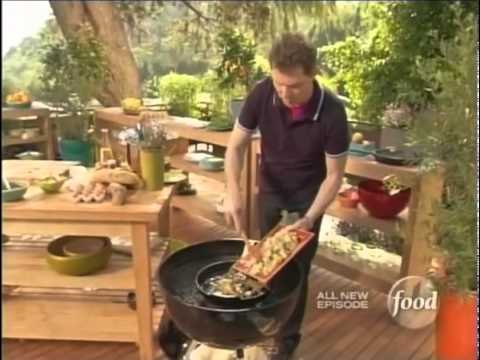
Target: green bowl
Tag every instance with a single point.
(15, 193)
(212, 164)
(51, 185)
(131, 112)
(15, 105)
(80, 264)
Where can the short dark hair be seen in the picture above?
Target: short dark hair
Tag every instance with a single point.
(291, 50)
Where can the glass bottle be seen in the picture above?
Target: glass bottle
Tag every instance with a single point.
(106, 152)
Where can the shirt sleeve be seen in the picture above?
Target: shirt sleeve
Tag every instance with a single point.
(249, 115)
(337, 139)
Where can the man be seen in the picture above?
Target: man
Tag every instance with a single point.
(304, 144)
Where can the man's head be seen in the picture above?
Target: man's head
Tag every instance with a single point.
(293, 63)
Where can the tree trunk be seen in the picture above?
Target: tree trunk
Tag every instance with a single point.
(105, 20)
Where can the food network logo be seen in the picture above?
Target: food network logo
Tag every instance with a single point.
(343, 300)
(413, 302)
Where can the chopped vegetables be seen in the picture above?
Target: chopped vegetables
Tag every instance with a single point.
(233, 284)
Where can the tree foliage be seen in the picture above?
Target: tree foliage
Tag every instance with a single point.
(446, 133)
(382, 66)
(73, 66)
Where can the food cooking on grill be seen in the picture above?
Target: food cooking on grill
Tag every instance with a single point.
(233, 284)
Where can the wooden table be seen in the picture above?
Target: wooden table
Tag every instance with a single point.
(57, 214)
(42, 115)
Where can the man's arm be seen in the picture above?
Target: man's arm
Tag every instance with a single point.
(327, 192)
(234, 156)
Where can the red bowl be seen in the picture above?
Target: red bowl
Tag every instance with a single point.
(378, 202)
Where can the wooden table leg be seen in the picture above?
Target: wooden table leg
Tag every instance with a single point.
(143, 289)
(49, 145)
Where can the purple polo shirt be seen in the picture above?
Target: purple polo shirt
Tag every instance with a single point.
(294, 150)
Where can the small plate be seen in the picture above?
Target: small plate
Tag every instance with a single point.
(30, 155)
(172, 177)
(196, 157)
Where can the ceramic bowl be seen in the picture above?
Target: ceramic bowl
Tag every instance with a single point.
(15, 193)
(51, 185)
(30, 155)
(80, 259)
(212, 164)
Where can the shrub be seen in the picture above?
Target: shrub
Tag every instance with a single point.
(180, 91)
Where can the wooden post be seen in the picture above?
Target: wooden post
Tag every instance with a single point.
(143, 290)
(420, 229)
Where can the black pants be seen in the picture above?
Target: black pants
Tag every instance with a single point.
(270, 207)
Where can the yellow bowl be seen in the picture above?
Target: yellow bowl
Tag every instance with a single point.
(51, 185)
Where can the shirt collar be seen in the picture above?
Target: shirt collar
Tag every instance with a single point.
(314, 105)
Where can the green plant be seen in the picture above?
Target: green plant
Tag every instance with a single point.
(390, 242)
(73, 69)
(382, 66)
(446, 133)
(237, 69)
(204, 107)
(179, 91)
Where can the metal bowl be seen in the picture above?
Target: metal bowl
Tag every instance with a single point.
(80, 264)
(217, 269)
(398, 157)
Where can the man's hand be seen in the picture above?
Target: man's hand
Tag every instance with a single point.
(233, 211)
(304, 223)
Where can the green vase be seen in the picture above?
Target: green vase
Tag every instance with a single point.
(152, 164)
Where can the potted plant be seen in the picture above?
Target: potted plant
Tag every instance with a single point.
(396, 121)
(179, 91)
(236, 70)
(76, 135)
(73, 70)
(446, 132)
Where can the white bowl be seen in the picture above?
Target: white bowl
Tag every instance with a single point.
(196, 157)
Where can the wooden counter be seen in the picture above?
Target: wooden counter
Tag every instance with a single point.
(115, 120)
(57, 214)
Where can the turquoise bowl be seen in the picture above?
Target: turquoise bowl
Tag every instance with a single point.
(15, 193)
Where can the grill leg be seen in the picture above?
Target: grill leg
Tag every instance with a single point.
(240, 354)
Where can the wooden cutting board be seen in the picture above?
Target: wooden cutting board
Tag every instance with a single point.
(27, 170)
(244, 264)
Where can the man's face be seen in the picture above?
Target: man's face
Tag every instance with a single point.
(293, 86)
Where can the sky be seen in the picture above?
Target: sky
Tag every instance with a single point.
(21, 19)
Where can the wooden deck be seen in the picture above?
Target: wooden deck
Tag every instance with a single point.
(364, 334)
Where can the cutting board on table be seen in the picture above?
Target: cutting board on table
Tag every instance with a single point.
(27, 170)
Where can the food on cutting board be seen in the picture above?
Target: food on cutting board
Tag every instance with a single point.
(274, 250)
(272, 253)
(107, 183)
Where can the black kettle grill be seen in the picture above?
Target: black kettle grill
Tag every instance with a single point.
(227, 325)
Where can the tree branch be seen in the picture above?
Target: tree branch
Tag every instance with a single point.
(197, 12)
